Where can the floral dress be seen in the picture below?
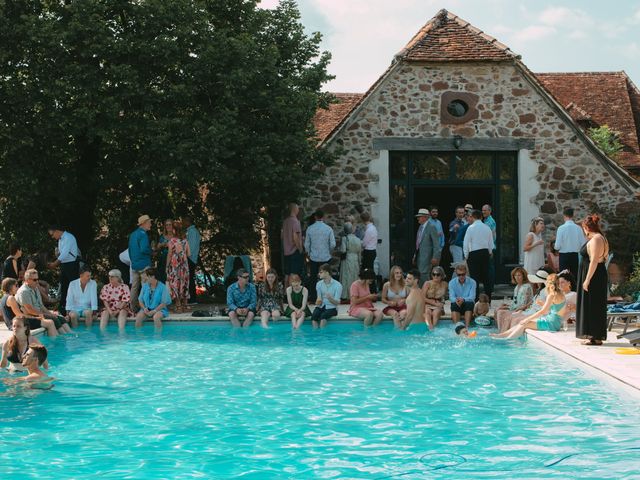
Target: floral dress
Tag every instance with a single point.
(116, 298)
(270, 301)
(178, 269)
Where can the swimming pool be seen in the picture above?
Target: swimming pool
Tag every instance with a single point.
(203, 401)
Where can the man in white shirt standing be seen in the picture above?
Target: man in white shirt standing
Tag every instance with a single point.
(369, 244)
(569, 240)
(67, 260)
(478, 249)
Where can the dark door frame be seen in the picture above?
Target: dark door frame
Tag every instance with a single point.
(494, 183)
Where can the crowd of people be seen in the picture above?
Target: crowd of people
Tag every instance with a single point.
(152, 291)
(546, 294)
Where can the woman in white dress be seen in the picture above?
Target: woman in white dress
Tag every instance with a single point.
(350, 248)
(534, 246)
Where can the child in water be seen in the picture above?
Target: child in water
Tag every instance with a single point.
(461, 329)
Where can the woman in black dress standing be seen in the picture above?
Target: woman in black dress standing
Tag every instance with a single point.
(591, 310)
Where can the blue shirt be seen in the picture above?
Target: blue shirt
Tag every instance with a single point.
(453, 234)
(462, 231)
(68, 248)
(466, 290)
(334, 289)
(151, 299)
(139, 249)
(438, 224)
(491, 223)
(193, 239)
(236, 298)
(319, 241)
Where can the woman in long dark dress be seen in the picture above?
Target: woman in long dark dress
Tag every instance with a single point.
(591, 309)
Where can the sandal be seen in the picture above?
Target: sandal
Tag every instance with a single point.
(591, 341)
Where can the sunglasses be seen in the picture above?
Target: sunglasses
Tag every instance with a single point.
(436, 274)
(461, 274)
(245, 276)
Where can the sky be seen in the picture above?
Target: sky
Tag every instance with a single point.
(551, 36)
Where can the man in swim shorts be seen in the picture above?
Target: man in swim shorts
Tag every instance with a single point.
(415, 300)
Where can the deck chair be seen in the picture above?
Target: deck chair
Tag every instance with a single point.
(633, 337)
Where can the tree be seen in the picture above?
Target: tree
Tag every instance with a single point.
(111, 109)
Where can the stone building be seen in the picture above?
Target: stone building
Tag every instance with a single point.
(458, 118)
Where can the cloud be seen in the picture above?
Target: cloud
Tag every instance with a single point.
(566, 18)
(533, 32)
(632, 51)
(636, 16)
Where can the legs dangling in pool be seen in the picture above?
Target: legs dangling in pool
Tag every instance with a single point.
(518, 330)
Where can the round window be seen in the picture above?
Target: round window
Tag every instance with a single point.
(457, 108)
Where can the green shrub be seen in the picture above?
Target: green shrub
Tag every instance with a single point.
(630, 288)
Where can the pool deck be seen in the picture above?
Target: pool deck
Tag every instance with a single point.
(603, 359)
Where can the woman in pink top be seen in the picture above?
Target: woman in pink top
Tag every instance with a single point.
(362, 299)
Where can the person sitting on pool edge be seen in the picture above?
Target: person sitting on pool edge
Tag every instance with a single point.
(415, 300)
(549, 318)
(154, 299)
(329, 291)
(462, 293)
(242, 299)
(362, 299)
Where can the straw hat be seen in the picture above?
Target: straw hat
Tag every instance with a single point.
(143, 218)
(539, 277)
(423, 212)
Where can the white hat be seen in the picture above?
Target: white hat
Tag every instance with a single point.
(423, 212)
(143, 218)
(539, 277)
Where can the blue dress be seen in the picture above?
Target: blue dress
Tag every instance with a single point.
(551, 321)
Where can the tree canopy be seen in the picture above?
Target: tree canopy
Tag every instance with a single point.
(114, 108)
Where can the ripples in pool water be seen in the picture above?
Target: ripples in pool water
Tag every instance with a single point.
(203, 401)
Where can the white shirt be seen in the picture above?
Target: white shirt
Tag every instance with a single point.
(478, 237)
(124, 258)
(569, 238)
(370, 240)
(82, 300)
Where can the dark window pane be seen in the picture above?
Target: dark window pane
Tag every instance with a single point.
(473, 166)
(399, 226)
(508, 225)
(507, 165)
(398, 165)
(431, 166)
(457, 108)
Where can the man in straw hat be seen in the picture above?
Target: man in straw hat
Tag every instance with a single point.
(140, 254)
(427, 245)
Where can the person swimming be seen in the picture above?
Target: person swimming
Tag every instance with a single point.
(461, 329)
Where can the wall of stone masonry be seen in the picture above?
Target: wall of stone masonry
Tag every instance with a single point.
(407, 104)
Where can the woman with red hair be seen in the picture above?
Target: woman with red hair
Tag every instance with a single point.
(591, 309)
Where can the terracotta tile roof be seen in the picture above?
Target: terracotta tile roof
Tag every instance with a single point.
(448, 38)
(326, 120)
(602, 98)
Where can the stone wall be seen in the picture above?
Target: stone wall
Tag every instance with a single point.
(407, 104)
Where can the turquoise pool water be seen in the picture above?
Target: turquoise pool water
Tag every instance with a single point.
(203, 401)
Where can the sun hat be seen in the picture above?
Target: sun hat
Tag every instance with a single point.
(468, 206)
(143, 218)
(423, 212)
(539, 277)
